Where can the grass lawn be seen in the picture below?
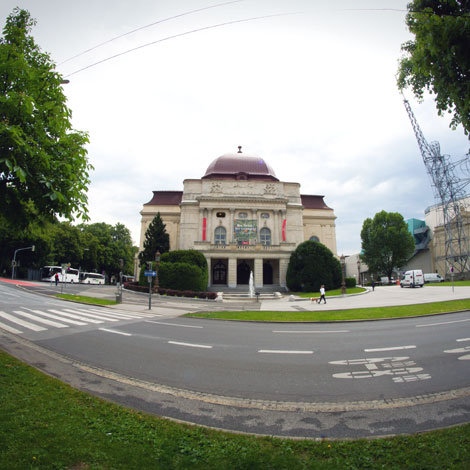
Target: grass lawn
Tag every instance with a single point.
(86, 300)
(46, 424)
(336, 315)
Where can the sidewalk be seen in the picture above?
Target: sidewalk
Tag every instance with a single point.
(383, 296)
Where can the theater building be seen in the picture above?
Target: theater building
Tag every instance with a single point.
(243, 219)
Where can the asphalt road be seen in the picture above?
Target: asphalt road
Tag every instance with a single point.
(349, 379)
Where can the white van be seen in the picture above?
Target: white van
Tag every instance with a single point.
(413, 278)
(433, 277)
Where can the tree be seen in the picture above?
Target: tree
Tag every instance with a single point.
(386, 242)
(438, 60)
(43, 161)
(311, 265)
(105, 245)
(156, 239)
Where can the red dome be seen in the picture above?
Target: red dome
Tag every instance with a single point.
(240, 166)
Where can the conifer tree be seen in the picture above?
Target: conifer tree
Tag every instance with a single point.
(156, 239)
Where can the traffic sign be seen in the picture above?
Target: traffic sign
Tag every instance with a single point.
(150, 273)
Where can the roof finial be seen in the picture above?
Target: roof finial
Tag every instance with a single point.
(239, 149)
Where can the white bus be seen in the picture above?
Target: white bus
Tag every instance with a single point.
(68, 275)
(91, 278)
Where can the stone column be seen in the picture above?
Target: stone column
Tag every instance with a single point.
(232, 216)
(209, 228)
(232, 272)
(258, 274)
(276, 228)
(283, 263)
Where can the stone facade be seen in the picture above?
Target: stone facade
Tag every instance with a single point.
(243, 219)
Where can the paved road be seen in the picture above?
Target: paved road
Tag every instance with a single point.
(328, 380)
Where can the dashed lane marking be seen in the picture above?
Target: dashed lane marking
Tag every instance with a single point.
(310, 331)
(393, 348)
(172, 324)
(191, 345)
(278, 351)
(442, 323)
(115, 332)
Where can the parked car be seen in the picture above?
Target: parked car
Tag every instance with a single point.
(413, 278)
(433, 277)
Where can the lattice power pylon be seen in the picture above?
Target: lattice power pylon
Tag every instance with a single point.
(450, 196)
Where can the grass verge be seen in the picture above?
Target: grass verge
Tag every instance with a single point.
(337, 315)
(49, 425)
(86, 300)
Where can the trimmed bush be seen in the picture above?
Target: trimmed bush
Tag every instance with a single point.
(350, 282)
(181, 276)
(192, 257)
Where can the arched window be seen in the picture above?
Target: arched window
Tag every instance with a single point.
(314, 239)
(220, 235)
(265, 236)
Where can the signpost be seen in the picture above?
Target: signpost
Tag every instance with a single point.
(150, 275)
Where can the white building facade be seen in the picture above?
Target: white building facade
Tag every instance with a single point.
(243, 219)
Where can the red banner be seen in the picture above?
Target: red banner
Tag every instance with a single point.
(284, 230)
(204, 223)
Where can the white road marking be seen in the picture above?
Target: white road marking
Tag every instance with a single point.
(41, 320)
(88, 315)
(115, 332)
(394, 348)
(204, 346)
(57, 317)
(401, 369)
(75, 317)
(274, 351)
(24, 323)
(172, 324)
(10, 329)
(463, 339)
(442, 323)
(310, 331)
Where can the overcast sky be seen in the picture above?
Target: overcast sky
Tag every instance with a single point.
(312, 92)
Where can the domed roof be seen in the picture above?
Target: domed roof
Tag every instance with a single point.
(240, 166)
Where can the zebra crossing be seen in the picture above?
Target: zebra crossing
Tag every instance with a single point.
(25, 319)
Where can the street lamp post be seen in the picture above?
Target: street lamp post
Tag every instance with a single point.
(13, 263)
(359, 270)
(343, 283)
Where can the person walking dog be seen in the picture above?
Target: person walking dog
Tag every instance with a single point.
(322, 294)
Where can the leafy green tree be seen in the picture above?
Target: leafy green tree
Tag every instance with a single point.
(105, 245)
(438, 59)
(44, 168)
(386, 242)
(156, 239)
(311, 265)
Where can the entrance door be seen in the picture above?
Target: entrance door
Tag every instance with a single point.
(219, 273)
(243, 273)
(267, 273)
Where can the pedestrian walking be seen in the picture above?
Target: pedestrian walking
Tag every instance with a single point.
(56, 277)
(322, 294)
(373, 285)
